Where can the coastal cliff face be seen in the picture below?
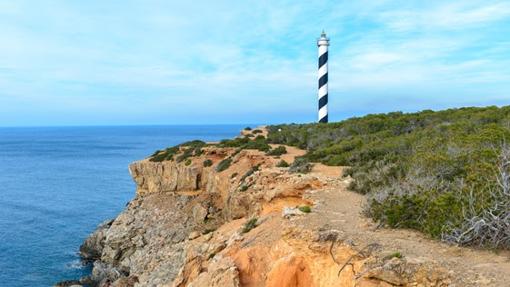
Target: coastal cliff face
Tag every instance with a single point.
(190, 225)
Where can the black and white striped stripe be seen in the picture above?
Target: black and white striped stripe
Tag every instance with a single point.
(323, 43)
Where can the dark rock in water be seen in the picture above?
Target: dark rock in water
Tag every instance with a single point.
(68, 283)
(104, 274)
(93, 246)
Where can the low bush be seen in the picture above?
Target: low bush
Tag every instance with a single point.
(187, 162)
(300, 165)
(247, 129)
(194, 143)
(259, 143)
(236, 142)
(190, 148)
(224, 164)
(184, 155)
(277, 151)
(207, 163)
(257, 131)
(282, 163)
(167, 154)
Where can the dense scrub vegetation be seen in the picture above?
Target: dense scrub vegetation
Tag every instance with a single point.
(188, 149)
(259, 143)
(445, 173)
(277, 151)
(184, 151)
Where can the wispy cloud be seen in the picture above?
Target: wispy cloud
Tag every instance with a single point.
(447, 16)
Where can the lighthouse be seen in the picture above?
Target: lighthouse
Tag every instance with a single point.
(323, 43)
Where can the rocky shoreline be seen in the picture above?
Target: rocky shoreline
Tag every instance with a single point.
(252, 224)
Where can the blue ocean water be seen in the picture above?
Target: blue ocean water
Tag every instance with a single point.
(57, 184)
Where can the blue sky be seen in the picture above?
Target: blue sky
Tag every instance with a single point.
(194, 62)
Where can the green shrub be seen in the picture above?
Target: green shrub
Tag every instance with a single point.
(247, 129)
(223, 165)
(259, 143)
(167, 154)
(198, 151)
(207, 163)
(190, 148)
(236, 142)
(282, 163)
(257, 131)
(187, 162)
(249, 225)
(184, 155)
(277, 151)
(305, 209)
(300, 165)
(194, 143)
(243, 187)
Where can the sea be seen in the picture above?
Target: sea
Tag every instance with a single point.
(58, 183)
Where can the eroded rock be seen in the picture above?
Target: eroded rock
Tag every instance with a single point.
(93, 246)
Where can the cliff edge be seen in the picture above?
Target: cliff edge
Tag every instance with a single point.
(240, 217)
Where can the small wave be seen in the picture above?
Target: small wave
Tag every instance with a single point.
(76, 264)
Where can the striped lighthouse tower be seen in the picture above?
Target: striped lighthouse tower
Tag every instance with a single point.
(323, 43)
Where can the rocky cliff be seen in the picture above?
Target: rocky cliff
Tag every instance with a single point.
(252, 224)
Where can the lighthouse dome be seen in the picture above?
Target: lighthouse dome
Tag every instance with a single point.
(323, 40)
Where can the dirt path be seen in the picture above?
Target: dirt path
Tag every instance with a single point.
(341, 209)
